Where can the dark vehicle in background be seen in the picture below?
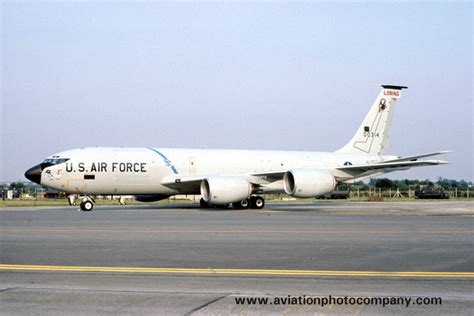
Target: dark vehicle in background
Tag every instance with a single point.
(431, 194)
(340, 193)
(53, 194)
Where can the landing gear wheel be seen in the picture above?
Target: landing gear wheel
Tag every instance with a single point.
(203, 203)
(242, 204)
(87, 206)
(257, 202)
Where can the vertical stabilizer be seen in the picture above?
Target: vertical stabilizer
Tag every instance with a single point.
(372, 136)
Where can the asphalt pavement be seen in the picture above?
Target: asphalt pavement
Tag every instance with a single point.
(179, 259)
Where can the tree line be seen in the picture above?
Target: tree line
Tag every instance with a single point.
(405, 184)
(382, 183)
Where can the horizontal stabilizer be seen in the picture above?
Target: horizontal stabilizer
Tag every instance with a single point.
(392, 165)
(416, 157)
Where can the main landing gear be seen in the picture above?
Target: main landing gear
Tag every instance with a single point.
(86, 205)
(255, 202)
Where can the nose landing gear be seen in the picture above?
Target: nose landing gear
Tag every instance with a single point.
(87, 204)
(71, 200)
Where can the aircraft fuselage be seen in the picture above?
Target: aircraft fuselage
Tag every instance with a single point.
(129, 171)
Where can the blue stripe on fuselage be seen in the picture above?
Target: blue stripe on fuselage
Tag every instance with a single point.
(166, 160)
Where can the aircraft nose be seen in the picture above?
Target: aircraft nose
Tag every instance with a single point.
(34, 174)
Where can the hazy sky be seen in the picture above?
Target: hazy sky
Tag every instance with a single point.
(242, 75)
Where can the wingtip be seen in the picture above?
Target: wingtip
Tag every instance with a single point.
(442, 162)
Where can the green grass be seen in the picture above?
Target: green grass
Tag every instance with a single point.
(42, 202)
(64, 202)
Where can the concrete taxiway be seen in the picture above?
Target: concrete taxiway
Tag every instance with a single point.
(183, 260)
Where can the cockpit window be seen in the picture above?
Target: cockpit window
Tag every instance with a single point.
(54, 161)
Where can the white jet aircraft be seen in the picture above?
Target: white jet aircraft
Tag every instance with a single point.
(228, 176)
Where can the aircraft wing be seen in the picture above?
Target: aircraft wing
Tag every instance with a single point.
(186, 183)
(192, 183)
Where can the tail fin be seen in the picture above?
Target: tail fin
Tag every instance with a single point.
(372, 135)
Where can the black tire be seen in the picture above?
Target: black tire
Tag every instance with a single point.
(203, 203)
(242, 204)
(87, 206)
(257, 202)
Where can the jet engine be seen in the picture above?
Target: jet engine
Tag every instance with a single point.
(224, 190)
(306, 183)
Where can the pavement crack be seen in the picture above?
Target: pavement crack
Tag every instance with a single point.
(10, 289)
(206, 304)
(135, 302)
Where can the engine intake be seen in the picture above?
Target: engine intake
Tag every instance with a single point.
(224, 190)
(306, 183)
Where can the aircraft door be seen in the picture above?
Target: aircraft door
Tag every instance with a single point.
(76, 185)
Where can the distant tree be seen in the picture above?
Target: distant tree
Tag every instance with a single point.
(402, 185)
(384, 183)
(444, 183)
(16, 185)
(427, 183)
(364, 186)
(464, 184)
(452, 184)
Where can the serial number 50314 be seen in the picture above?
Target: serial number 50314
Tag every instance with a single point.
(371, 134)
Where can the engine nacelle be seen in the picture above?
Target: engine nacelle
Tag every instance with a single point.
(223, 190)
(306, 183)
